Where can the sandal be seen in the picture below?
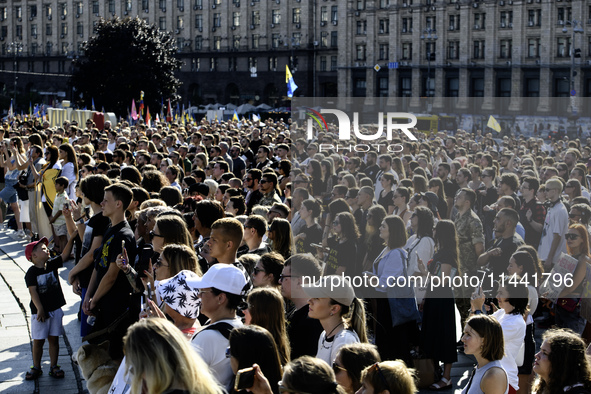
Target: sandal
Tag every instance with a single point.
(56, 372)
(33, 373)
(437, 386)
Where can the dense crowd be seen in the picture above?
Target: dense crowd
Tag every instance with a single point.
(240, 246)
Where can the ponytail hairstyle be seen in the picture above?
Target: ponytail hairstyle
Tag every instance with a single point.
(354, 317)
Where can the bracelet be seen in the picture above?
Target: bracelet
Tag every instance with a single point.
(477, 312)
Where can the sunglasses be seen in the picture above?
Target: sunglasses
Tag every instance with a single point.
(263, 181)
(571, 237)
(336, 368)
(257, 270)
(153, 234)
(375, 367)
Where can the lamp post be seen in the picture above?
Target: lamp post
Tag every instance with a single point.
(576, 28)
(15, 48)
(429, 36)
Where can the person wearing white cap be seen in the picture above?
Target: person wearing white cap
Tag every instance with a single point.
(221, 290)
(332, 298)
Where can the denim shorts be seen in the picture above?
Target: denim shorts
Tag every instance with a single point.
(8, 194)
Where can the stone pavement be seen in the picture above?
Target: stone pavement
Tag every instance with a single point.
(15, 320)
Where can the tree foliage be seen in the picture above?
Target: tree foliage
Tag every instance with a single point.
(125, 57)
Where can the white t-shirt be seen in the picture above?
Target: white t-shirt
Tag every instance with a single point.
(211, 346)
(424, 246)
(514, 335)
(378, 185)
(327, 350)
(556, 222)
(69, 172)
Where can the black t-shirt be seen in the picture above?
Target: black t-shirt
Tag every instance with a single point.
(313, 235)
(451, 188)
(96, 226)
(341, 255)
(117, 299)
(48, 285)
(508, 246)
(303, 332)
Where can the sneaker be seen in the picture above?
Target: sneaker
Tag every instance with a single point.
(20, 234)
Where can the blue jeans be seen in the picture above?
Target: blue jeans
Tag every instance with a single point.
(8, 194)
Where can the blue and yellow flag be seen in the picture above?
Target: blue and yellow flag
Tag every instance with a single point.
(235, 116)
(291, 86)
(493, 124)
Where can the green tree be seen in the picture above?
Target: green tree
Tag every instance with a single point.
(125, 57)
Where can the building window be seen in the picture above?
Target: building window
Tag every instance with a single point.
(334, 13)
(322, 63)
(296, 15)
(112, 6)
(360, 5)
(48, 31)
(384, 26)
(34, 49)
(127, 5)
(532, 87)
(504, 87)
(324, 14)
(48, 11)
(272, 63)
(454, 22)
(180, 4)
(477, 87)
(534, 18)
(199, 21)
(564, 14)
(34, 30)
(275, 17)
(2, 13)
(232, 64)
(19, 31)
(179, 22)
(64, 29)
(198, 43)
(506, 48)
(533, 47)
(217, 20)
(383, 51)
(406, 25)
(80, 29)
(255, 41)
(453, 50)
(162, 23)
(236, 42)
(360, 52)
(296, 39)
(213, 64)
(453, 87)
(275, 40)
(479, 21)
(64, 48)
(18, 12)
(95, 7)
(252, 62)
(49, 48)
(256, 18)
(33, 11)
(334, 39)
(195, 63)
(361, 27)
(478, 52)
(146, 5)
(217, 43)
(64, 9)
(405, 87)
(162, 5)
(407, 51)
(384, 3)
(333, 63)
(563, 47)
(431, 22)
(236, 19)
(324, 39)
(506, 19)
(4, 31)
(382, 87)
(80, 47)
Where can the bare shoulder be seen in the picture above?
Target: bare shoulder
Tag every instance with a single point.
(494, 381)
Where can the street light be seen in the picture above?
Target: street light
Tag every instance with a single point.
(430, 37)
(577, 28)
(15, 48)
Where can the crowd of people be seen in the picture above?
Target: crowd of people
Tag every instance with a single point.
(237, 245)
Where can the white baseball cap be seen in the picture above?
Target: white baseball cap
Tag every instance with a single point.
(224, 277)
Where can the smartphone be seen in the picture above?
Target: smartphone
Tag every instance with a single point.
(143, 263)
(66, 206)
(122, 249)
(244, 379)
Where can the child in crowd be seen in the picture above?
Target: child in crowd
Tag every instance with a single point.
(47, 300)
(57, 219)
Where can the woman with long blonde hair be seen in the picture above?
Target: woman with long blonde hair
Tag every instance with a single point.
(159, 359)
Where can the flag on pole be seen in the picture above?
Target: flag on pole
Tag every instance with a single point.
(157, 118)
(148, 117)
(291, 86)
(235, 117)
(169, 112)
(255, 118)
(142, 102)
(93, 104)
(493, 124)
(134, 114)
(11, 110)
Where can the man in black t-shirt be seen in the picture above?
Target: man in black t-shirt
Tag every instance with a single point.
(109, 296)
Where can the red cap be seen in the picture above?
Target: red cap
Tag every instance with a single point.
(29, 248)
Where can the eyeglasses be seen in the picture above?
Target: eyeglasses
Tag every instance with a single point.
(247, 179)
(281, 277)
(159, 263)
(263, 181)
(336, 223)
(257, 270)
(153, 234)
(571, 236)
(573, 215)
(336, 368)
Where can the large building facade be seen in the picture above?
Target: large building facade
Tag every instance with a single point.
(236, 50)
